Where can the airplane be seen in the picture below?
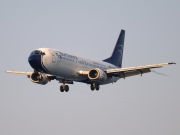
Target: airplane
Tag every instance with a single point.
(51, 64)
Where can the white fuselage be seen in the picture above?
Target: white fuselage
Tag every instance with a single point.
(68, 65)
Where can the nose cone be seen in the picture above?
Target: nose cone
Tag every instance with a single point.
(35, 61)
(32, 59)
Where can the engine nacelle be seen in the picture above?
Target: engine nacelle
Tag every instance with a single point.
(39, 78)
(97, 75)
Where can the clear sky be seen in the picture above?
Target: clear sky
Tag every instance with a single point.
(147, 105)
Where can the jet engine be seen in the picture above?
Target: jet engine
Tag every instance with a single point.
(97, 75)
(39, 78)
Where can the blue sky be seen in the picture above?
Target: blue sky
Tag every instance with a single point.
(138, 105)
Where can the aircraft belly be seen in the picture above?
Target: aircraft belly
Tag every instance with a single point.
(110, 80)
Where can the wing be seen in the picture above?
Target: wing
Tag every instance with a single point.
(131, 71)
(50, 77)
(18, 72)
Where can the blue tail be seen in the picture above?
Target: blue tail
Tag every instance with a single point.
(117, 55)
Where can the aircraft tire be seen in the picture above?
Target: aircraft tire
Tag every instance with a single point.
(61, 88)
(66, 88)
(92, 87)
(97, 87)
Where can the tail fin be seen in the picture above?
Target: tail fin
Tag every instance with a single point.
(117, 55)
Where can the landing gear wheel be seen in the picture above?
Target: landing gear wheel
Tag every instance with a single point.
(95, 86)
(61, 88)
(92, 87)
(66, 88)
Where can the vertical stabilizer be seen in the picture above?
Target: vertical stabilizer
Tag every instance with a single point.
(117, 55)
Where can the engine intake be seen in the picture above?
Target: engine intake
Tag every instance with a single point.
(39, 78)
(97, 75)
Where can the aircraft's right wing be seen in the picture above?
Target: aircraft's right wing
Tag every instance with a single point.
(51, 77)
(131, 71)
(18, 72)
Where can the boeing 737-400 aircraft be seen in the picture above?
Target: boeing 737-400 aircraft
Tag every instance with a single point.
(50, 64)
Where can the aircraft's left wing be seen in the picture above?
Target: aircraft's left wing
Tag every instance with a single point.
(131, 71)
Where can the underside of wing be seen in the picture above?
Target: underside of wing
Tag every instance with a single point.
(131, 71)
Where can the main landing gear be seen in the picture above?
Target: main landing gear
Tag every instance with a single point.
(64, 88)
(95, 86)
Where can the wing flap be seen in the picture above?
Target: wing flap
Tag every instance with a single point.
(125, 74)
(136, 72)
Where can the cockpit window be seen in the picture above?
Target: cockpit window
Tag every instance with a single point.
(38, 52)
